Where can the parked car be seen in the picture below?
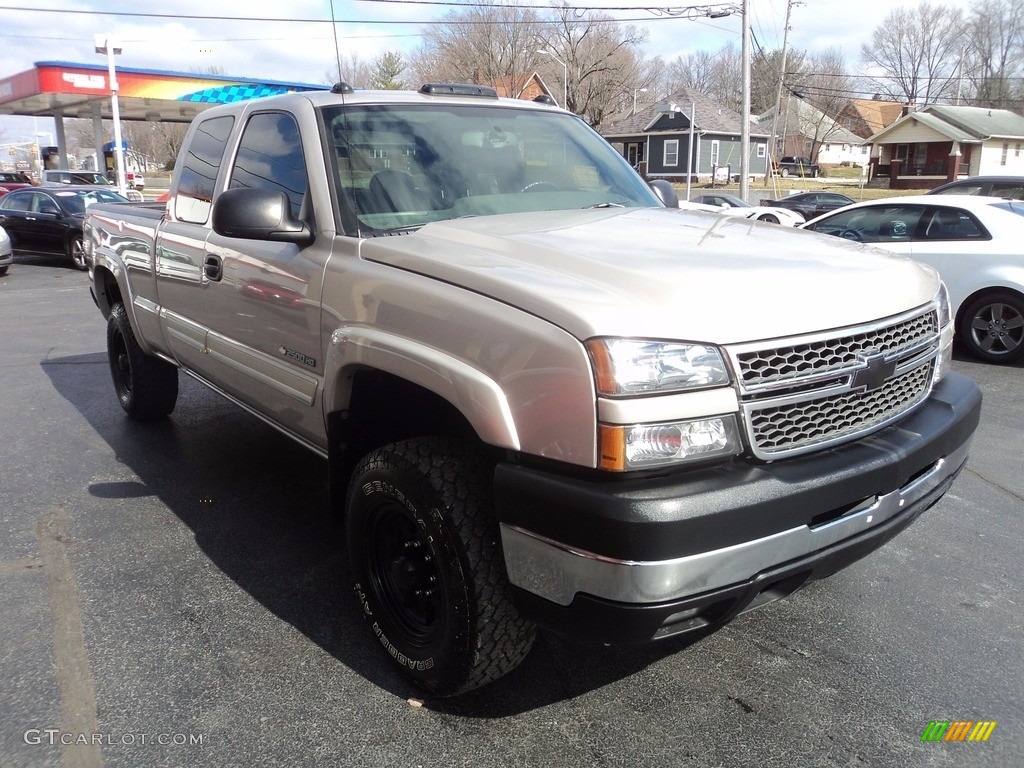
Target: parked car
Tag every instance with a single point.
(76, 177)
(49, 219)
(730, 205)
(1008, 187)
(132, 179)
(974, 243)
(789, 165)
(811, 204)
(6, 251)
(11, 180)
(135, 179)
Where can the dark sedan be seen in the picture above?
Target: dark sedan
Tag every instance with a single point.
(49, 219)
(811, 204)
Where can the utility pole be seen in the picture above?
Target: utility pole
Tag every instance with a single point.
(778, 94)
(745, 116)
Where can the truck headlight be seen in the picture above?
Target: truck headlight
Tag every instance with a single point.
(633, 367)
(640, 446)
(945, 356)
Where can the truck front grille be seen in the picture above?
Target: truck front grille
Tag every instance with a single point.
(802, 394)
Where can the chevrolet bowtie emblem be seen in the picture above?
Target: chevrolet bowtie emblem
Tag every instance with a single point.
(876, 371)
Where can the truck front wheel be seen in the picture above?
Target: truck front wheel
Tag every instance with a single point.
(146, 386)
(426, 557)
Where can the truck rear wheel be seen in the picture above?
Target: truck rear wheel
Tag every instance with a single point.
(426, 557)
(146, 386)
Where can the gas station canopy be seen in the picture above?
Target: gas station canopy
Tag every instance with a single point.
(62, 89)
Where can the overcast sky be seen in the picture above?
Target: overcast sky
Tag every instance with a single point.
(250, 39)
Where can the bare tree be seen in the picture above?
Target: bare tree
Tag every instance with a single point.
(916, 51)
(728, 78)
(694, 71)
(483, 45)
(993, 56)
(603, 62)
(352, 70)
(825, 85)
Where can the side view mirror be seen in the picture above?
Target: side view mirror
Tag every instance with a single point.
(258, 214)
(664, 192)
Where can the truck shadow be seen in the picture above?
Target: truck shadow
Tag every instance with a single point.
(257, 505)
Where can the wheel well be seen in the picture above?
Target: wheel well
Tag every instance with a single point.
(977, 295)
(384, 409)
(106, 290)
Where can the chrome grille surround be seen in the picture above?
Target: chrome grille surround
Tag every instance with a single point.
(801, 394)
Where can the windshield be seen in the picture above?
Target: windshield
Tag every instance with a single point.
(402, 166)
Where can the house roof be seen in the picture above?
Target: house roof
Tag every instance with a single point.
(527, 87)
(981, 121)
(823, 128)
(709, 116)
(876, 114)
(969, 125)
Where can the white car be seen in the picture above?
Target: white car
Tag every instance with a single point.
(6, 251)
(730, 205)
(976, 245)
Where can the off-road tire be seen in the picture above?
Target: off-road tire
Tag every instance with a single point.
(146, 386)
(426, 558)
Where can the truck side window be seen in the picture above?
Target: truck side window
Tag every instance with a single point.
(270, 157)
(199, 172)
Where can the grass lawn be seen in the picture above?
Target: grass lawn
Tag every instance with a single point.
(844, 180)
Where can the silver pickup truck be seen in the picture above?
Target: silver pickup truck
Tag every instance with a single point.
(546, 396)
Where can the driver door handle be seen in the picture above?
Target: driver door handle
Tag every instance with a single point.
(213, 267)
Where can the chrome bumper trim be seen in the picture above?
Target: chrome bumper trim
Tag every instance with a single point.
(557, 572)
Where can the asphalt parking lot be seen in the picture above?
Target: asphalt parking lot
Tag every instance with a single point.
(172, 595)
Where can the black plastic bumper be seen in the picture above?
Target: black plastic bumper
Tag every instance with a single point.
(659, 519)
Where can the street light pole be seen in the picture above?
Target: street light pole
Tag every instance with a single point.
(635, 92)
(105, 45)
(565, 76)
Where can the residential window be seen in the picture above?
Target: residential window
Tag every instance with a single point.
(714, 152)
(1016, 151)
(671, 152)
(762, 150)
(1006, 153)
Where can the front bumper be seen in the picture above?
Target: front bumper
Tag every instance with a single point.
(637, 560)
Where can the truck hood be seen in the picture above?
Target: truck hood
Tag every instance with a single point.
(662, 273)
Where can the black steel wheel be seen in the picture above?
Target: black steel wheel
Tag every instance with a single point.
(146, 386)
(76, 251)
(992, 327)
(426, 559)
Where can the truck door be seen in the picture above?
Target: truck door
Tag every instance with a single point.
(183, 289)
(263, 343)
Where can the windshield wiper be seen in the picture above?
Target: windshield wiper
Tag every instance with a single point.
(604, 205)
